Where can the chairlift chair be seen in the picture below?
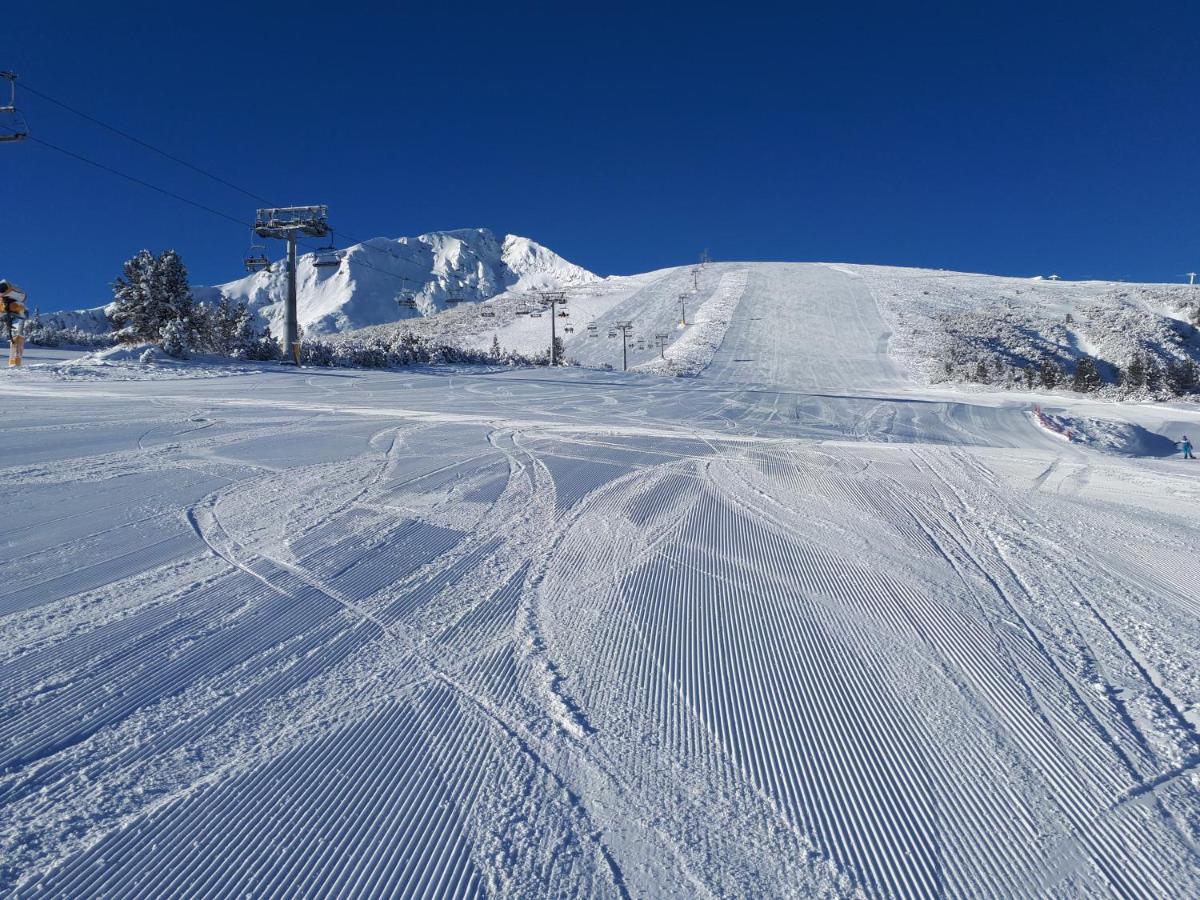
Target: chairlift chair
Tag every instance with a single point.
(563, 314)
(406, 301)
(568, 329)
(327, 257)
(535, 314)
(454, 301)
(13, 126)
(488, 314)
(256, 259)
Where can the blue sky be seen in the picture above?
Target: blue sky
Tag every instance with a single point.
(1006, 138)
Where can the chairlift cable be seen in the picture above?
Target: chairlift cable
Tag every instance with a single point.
(174, 159)
(347, 238)
(154, 187)
(146, 144)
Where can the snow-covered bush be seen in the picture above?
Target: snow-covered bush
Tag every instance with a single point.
(225, 327)
(50, 332)
(377, 352)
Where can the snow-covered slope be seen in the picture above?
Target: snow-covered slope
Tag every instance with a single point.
(937, 326)
(796, 627)
(364, 288)
(944, 324)
(925, 320)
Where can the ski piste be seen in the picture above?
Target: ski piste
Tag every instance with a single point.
(799, 623)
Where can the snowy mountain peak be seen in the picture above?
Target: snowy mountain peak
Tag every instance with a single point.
(371, 278)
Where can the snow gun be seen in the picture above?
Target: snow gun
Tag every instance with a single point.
(14, 308)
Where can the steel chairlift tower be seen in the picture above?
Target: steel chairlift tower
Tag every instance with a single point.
(287, 224)
(1191, 278)
(551, 300)
(660, 341)
(624, 328)
(13, 120)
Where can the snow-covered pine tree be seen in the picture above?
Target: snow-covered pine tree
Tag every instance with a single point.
(149, 295)
(244, 331)
(1135, 372)
(217, 327)
(496, 352)
(1087, 376)
(171, 295)
(1181, 377)
(1154, 374)
(1049, 374)
(128, 312)
(174, 339)
(982, 375)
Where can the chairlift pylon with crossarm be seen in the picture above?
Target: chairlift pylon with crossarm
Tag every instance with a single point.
(13, 126)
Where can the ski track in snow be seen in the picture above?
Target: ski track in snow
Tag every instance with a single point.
(790, 628)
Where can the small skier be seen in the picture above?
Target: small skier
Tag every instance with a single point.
(1186, 446)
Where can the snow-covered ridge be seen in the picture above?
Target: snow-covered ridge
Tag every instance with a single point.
(694, 350)
(364, 288)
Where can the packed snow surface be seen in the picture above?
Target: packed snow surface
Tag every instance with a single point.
(797, 626)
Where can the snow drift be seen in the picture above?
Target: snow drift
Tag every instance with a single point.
(1117, 438)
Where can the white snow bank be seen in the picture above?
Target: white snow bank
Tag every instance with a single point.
(138, 362)
(1117, 438)
(695, 349)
